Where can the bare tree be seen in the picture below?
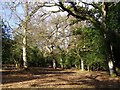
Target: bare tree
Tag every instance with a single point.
(28, 10)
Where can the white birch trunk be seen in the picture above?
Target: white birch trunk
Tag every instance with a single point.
(61, 63)
(25, 36)
(110, 64)
(54, 64)
(82, 65)
(24, 52)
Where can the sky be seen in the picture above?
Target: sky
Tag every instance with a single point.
(8, 16)
(11, 19)
(6, 13)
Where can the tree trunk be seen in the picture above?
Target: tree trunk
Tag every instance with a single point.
(110, 64)
(54, 63)
(76, 66)
(110, 58)
(82, 65)
(107, 41)
(25, 65)
(17, 65)
(61, 64)
(88, 67)
(24, 52)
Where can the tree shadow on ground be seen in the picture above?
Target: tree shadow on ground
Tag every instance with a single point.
(49, 77)
(91, 81)
(19, 75)
(102, 83)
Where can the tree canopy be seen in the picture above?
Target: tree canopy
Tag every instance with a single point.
(86, 36)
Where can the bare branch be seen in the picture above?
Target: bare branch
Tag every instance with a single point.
(14, 12)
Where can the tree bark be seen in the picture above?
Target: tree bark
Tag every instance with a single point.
(76, 66)
(54, 63)
(110, 59)
(88, 67)
(82, 65)
(25, 65)
(24, 51)
(61, 63)
(110, 64)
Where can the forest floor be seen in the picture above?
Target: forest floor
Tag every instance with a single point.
(38, 77)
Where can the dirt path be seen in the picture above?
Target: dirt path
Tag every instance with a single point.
(49, 78)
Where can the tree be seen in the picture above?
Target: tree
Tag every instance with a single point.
(96, 15)
(6, 41)
(113, 19)
(51, 35)
(76, 43)
(24, 18)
